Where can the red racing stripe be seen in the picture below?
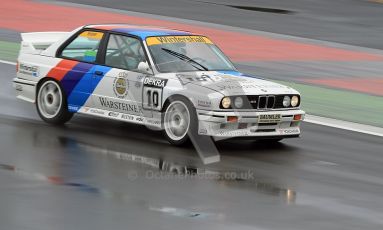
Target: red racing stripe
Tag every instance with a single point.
(61, 69)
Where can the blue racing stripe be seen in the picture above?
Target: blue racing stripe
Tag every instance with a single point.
(144, 33)
(85, 87)
(71, 79)
(238, 74)
(230, 72)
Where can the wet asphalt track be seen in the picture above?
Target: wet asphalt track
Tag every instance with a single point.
(97, 174)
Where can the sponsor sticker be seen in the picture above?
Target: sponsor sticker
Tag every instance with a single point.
(184, 79)
(233, 133)
(150, 41)
(153, 121)
(289, 131)
(121, 106)
(155, 82)
(269, 118)
(121, 85)
(29, 70)
(113, 114)
(92, 35)
(96, 111)
(127, 117)
(206, 104)
(73, 108)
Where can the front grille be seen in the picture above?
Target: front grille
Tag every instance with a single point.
(252, 102)
(265, 102)
(262, 102)
(270, 102)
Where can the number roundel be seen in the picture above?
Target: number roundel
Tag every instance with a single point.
(152, 98)
(152, 93)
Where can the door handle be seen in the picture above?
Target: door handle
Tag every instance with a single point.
(99, 73)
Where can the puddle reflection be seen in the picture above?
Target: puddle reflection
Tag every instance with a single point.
(169, 170)
(71, 161)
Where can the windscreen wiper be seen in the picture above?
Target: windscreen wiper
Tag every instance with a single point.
(185, 58)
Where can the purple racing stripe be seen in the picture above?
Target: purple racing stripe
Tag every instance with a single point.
(72, 78)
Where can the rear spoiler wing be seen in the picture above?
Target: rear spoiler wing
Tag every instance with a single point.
(36, 42)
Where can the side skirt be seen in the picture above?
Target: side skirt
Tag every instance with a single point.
(135, 119)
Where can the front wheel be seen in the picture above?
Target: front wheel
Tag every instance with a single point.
(180, 120)
(51, 104)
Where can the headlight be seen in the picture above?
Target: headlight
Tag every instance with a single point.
(294, 101)
(286, 101)
(238, 102)
(226, 102)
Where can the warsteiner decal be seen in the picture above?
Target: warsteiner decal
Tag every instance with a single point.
(110, 104)
(177, 39)
(121, 85)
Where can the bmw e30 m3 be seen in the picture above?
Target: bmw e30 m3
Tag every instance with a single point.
(172, 80)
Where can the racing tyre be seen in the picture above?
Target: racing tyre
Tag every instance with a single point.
(180, 121)
(51, 103)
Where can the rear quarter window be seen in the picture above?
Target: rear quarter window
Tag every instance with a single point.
(84, 47)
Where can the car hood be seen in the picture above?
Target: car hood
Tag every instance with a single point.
(233, 83)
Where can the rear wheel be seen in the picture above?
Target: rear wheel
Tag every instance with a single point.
(180, 120)
(51, 104)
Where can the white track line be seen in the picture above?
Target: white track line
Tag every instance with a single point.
(334, 123)
(346, 125)
(7, 62)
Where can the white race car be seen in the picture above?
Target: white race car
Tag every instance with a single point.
(172, 80)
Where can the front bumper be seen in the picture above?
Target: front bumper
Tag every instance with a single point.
(216, 124)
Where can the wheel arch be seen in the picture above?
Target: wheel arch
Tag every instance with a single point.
(171, 97)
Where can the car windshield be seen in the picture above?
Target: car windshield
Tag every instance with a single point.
(186, 54)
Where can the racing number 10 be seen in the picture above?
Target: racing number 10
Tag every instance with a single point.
(152, 98)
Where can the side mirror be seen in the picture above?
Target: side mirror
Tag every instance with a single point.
(144, 67)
